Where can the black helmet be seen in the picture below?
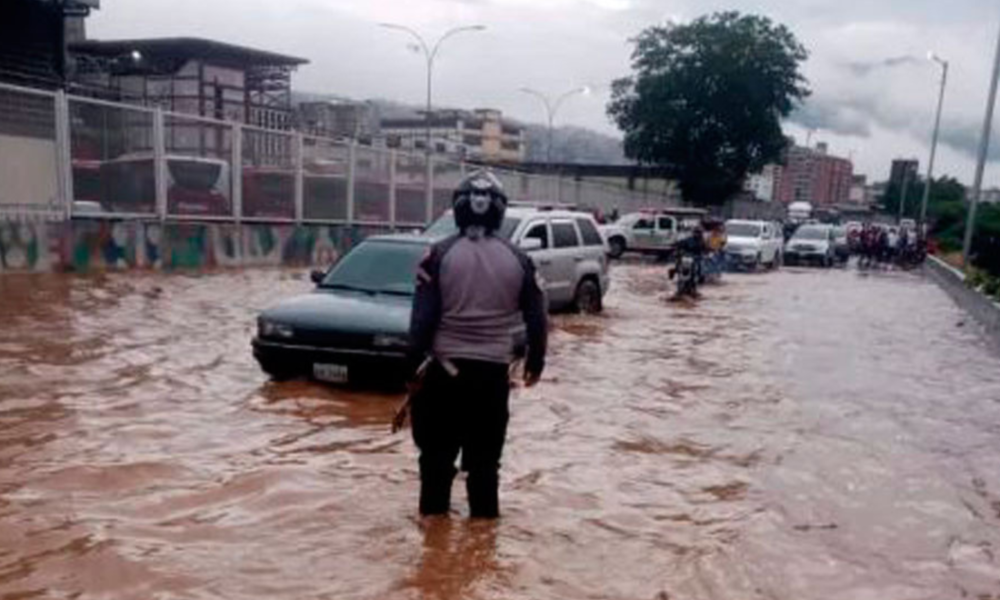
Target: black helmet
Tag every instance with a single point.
(479, 201)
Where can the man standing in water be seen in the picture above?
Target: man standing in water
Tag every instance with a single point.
(474, 290)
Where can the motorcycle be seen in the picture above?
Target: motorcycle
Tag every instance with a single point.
(686, 273)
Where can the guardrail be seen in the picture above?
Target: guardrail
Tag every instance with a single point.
(71, 156)
(985, 311)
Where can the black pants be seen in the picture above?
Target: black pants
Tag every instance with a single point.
(467, 413)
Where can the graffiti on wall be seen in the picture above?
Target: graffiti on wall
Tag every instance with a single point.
(22, 245)
(88, 245)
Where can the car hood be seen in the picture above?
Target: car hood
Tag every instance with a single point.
(743, 242)
(348, 312)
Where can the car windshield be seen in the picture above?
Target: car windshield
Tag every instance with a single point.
(812, 233)
(445, 226)
(743, 229)
(381, 267)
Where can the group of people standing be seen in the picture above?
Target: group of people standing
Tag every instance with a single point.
(885, 246)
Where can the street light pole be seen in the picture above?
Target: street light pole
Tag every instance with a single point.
(551, 109)
(934, 139)
(984, 149)
(430, 53)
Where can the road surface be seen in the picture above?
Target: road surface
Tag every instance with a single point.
(797, 435)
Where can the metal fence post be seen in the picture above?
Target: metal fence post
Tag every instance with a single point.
(159, 163)
(64, 158)
(352, 165)
(236, 158)
(429, 192)
(392, 188)
(300, 180)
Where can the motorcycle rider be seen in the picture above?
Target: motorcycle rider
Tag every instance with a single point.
(694, 246)
(474, 290)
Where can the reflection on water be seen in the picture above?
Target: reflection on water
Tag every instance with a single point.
(802, 434)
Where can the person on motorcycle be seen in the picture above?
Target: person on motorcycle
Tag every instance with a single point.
(694, 248)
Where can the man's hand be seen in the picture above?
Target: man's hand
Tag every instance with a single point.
(531, 379)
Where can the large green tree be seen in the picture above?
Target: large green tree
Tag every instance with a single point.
(707, 98)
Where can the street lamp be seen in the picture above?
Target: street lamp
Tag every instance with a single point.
(934, 139)
(984, 149)
(430, 53)
(551, 109)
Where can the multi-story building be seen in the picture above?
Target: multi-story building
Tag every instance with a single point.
(762, 185)
(193, 76)
(482, 135)
(33, 39)
(903, 169)
(338, 119)
(859, 190)
(812, 175)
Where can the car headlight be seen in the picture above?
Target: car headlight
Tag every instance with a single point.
(271, 329)
(391, 340)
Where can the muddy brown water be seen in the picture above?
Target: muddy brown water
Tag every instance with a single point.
(796, 435)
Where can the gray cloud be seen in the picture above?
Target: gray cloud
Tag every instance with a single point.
(833, 117)
(882, 107)
(863, 69)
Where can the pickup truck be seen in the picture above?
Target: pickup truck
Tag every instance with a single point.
(650, 232)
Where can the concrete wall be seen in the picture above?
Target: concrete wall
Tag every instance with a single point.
(84, 245)
(981, 307)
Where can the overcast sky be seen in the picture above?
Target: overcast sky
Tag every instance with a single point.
(874, 89)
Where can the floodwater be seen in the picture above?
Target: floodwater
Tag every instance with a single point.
(796, 435)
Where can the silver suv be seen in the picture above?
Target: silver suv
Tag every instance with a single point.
(567, 247)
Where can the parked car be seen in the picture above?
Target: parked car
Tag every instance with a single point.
(354, 327)
(566, 246)
(752, 244)
(811, 244)
(651, 232)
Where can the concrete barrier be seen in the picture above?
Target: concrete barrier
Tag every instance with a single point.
(977, 304)
(84, 245)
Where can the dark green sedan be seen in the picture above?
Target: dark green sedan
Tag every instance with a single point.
(354, 327)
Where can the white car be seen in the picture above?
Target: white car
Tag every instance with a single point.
(566, 246)
(651, 232)
(752, 244)
(814, 244)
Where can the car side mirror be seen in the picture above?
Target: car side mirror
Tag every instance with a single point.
(530, 244)
(317, 276)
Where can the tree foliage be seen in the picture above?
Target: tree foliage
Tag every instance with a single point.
(707, 99)
(947, 211)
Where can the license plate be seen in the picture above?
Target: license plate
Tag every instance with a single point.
(330, 373)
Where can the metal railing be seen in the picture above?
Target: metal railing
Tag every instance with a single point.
(65, 156)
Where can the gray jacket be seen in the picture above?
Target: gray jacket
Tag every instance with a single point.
(471, 296)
